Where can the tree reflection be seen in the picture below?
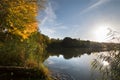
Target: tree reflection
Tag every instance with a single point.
(69, 53)
(108, 64)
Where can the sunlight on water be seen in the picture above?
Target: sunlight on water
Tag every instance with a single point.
(105, 63)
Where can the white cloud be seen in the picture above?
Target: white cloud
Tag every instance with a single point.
(50, 15)
(48, 30)
(98, 3)
(94, 5)
(49, 24)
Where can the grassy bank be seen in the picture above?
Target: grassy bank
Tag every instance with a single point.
(13, 72)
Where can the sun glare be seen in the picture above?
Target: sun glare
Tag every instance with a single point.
(101, 33)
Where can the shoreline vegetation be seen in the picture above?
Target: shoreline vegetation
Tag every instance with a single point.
(91, 46)
(23, 48)
(21, 43)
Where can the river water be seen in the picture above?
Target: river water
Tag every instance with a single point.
(77, 67)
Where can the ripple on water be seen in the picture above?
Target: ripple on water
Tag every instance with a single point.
(59, 75)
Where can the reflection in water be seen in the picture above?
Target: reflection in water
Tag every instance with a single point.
(111, 63)
(69, 53)
(105, 63)
(75, 62)
(82, 64)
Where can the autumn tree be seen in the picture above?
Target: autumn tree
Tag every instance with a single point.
(18, 17)
(20, 42)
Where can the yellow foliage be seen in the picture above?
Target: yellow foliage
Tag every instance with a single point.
(19, 16)
(29, 28)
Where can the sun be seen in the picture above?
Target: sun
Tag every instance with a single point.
(101, 33)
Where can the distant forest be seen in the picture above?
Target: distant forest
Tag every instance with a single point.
(68, 42)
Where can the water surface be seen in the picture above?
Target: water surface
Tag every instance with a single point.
(77, 67)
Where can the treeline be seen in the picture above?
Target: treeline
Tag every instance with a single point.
(68, 42)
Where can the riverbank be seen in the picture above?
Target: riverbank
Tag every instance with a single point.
(13, 72)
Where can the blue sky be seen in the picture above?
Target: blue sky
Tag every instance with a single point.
(79, 18)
